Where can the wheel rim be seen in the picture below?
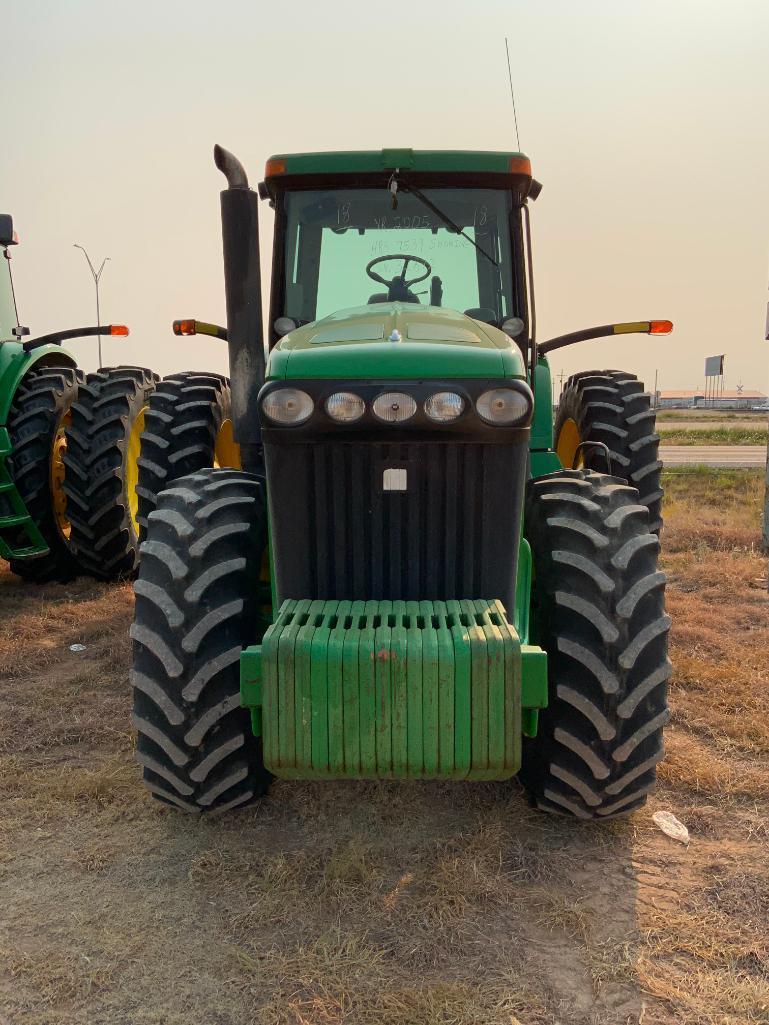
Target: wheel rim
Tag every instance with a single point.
(226, 449)
(58, 498)
(569, 440)
(132, 467)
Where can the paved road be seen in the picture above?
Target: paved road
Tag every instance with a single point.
(714, 455)
(754, 423)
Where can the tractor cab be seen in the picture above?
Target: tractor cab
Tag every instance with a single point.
(432, 229)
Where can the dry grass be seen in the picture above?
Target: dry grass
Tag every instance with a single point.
(394, 904)
(742, 434)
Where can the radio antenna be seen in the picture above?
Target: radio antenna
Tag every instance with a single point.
(512, 95)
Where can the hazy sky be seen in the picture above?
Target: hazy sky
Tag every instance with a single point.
(647, 121)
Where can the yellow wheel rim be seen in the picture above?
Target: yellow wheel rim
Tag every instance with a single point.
(226, 449)
(568, 441)
(132, 467)
(58, 498)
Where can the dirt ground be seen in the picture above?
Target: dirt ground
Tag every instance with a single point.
(398, 904)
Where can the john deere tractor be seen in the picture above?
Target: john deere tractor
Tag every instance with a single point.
(43, 398)
(416, 574)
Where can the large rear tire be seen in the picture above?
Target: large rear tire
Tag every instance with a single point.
(103, 441)
(612, 408)
(197, 605)
(187, 427)
(598, 610)
(36, 425)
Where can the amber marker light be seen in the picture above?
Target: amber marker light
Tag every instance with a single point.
(119, 329)
(660, 327)
(274, 166)
(520, 165)
(185, 327)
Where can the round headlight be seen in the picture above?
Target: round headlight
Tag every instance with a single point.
(345, 407)
(503, 406)
(444, 406)
(394, 406)
(288, 406)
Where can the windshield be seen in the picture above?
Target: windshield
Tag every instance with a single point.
(7, 310)
(334, 237)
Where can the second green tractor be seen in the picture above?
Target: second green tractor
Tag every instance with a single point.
(417, 573)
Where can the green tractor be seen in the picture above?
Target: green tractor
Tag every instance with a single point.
(42, 397)
(416, 574)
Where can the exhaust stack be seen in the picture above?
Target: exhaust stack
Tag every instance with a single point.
(243, 291)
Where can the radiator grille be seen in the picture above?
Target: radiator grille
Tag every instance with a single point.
(453, 531)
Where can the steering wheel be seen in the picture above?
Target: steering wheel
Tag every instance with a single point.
(402, 276)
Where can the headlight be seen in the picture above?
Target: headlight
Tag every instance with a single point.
(345, 407)
(503, 406)
(288, 406)
(394, 406)
(444, 406)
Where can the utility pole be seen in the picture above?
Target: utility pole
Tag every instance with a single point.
(765, 530)
(654, 404)
(96, 276)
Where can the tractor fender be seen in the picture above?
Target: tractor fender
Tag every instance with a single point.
(16, 363)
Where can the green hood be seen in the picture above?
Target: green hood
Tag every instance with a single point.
(395, 340)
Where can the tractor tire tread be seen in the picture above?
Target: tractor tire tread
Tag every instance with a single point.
(41, 401)
(103, 534)
(181, 425)
(611, 407)
(600, 738)
(195, 611)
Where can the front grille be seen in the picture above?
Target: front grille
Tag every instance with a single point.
(452, 533)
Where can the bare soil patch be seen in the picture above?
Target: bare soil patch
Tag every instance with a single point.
(393, 904)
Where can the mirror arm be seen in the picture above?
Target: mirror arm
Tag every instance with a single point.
(642, 327)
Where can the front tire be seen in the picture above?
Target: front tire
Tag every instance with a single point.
(598, 610)
(197, 605)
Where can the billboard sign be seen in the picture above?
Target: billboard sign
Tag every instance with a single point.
(714, 366)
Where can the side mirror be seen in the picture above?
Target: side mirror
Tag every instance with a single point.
(8, 236)
(283, 325)
(513, 326)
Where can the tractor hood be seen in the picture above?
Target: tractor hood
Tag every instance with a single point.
(395, 340)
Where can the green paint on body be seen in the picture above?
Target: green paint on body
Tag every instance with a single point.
(543, 458)
(395, 340)
(382, 689)
(370, 161)
(15, 364)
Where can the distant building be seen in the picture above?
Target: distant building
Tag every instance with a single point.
(741, 398)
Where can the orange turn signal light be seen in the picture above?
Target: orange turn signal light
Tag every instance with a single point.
(660, 327)
(520, 165)
(274, 166)
(118, 329)
(185, 327)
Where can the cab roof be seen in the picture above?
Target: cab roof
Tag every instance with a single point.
(495, 168)
(352, 161)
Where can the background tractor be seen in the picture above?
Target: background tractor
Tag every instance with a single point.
(44, 401)
(415, 574)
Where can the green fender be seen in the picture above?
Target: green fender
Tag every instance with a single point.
(15, 364)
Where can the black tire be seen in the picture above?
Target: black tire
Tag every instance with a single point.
(101, 499)
(611, 406)
(37, 415)
(197, 598)
(186, 413)
(598, 609)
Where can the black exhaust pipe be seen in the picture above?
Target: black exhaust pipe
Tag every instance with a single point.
(243, 291)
